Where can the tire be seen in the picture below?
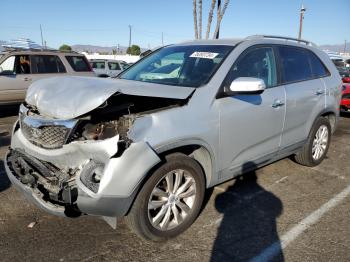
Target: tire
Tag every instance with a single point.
(306, 156)
(146, 210)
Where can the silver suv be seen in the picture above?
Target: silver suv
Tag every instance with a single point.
(108, 68)
(20, 68)
(184, 118)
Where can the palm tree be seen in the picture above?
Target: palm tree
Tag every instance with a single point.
(200, 18)
(220, 14)
(195, 19)
(210, 18)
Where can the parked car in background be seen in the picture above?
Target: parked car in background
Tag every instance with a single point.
(20, 68)
(345, 99)
(341, 66)
(108, 68)
(346, 79)
(148, 147)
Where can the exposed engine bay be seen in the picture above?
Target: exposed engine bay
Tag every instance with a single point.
(55, 182)
(117, 115)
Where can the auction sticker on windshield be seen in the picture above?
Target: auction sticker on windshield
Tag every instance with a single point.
(207, 55)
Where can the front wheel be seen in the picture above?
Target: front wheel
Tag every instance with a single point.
(315, 150)
(170, 200)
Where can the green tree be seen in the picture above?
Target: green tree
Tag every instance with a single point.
(134, 50)
(65, 47)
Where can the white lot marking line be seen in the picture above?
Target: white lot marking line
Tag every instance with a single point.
(303, 225)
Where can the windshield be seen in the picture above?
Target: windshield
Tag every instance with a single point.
(190, 66)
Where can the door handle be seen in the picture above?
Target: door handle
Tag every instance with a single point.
(277, 103)
(319, 92)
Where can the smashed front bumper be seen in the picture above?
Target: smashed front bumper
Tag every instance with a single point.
(57, 179)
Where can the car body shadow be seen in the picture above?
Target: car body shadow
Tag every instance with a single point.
(5, 139)
(5, 183)
(345, 114)
(249, 218)
(9, 110)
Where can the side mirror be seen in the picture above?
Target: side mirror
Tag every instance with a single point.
(247, 85)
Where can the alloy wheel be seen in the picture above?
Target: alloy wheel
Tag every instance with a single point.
(320, 142)
(171, 200)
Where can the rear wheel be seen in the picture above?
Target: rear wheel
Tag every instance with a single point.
(170, 200)
(315, 150)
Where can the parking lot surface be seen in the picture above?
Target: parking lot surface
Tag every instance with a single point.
(282, 212)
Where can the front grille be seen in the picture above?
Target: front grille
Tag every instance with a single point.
(49, 137)
(44, 132)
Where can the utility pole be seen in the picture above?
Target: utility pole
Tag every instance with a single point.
(162, 39)
(129, 35)
(302, 11)
(42, 39)
(345, 47)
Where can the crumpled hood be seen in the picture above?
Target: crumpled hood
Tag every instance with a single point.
(72, 96)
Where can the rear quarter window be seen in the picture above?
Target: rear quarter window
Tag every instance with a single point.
(295, 64)
(78, 63)
(318, 68)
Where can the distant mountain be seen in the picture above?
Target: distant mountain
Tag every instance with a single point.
(100, 49)
(2, 43)
(336, 48)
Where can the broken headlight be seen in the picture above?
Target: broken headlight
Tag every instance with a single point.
(91, 175)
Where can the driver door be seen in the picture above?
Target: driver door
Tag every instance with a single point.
(251, 125)
(14, 79)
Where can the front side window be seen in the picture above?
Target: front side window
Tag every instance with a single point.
(8, 65)
(295, 64)
(98, 64)
(78, 63)
(257, 63)
(191, 65)
(46, 64)
(22, 64)
(114, 66)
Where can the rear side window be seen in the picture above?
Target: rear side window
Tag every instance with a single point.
(98, 64)
(295, 64)
(78, 63)
(46, 64)
(113, 66)
(318, 69)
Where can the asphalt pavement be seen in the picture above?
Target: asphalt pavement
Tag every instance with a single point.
(282, 212)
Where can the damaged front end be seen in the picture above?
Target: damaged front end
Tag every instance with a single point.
(86, 165)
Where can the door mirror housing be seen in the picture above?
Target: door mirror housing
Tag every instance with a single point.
(247, 85)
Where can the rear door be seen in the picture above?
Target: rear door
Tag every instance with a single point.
(43, 66)
(305, 93)
(114, 68)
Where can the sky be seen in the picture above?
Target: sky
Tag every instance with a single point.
(106, 22)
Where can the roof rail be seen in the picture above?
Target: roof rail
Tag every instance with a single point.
(17, 49)
(309, 43)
